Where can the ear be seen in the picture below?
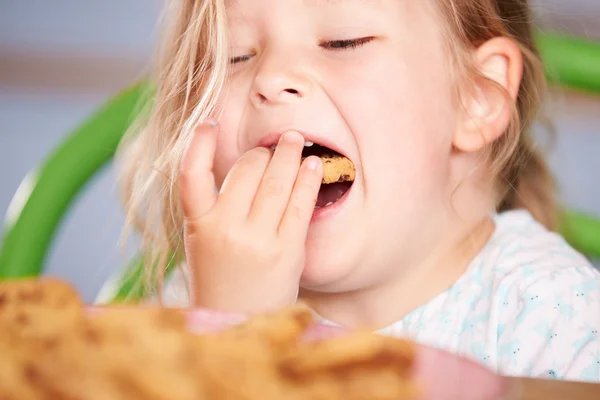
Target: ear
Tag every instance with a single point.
(487, 110)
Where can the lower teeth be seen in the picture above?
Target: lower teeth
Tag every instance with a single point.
(331, 193)
(326, 205)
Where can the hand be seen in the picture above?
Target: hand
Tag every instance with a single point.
(245, 245)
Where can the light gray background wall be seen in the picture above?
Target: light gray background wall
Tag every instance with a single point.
(34, 118)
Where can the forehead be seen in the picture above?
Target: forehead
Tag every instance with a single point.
(316, 4)
(394, 15)
(335, 2)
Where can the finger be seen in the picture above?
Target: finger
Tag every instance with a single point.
(276, 186)
(298, 213)
(196, 180)
(240, 186)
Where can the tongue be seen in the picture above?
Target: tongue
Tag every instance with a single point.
(329, 194)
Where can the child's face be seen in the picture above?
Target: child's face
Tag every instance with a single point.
(386, 104)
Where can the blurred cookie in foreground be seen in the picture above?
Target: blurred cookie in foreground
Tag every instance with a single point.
(39, 308)
(60, 352)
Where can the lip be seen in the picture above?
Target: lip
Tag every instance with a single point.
(320, 214)
(272, 138)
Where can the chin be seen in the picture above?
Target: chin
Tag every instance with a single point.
(325, 269)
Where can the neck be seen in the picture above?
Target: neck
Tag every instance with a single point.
(387, 302)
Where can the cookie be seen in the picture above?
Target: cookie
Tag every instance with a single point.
(52, 349)
(18, 371)
(352, 351)
(278, 330)
(39, 308)
(358, 366)
(337, 169)
(126, 354)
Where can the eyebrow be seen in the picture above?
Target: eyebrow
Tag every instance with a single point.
(331, 2)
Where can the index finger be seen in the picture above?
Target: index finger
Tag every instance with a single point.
(197, 189)
(298, 213)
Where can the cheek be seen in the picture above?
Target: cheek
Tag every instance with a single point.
(414, 125)
(401, 113)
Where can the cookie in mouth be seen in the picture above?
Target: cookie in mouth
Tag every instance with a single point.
(338, 173)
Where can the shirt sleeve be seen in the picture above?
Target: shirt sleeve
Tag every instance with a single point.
(550, 325)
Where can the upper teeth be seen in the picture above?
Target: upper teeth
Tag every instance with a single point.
(306, 144)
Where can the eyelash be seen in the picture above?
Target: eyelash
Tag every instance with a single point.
(333, 45)
(239, 59)
(337, 45)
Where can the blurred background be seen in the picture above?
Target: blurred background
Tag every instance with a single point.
(61, 59)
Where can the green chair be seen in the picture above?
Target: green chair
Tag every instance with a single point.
(49, 190)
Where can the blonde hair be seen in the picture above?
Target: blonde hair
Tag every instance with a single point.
(190, 76)
(190, 73)
(522, 176)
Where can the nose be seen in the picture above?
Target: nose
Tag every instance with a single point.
(278, 82)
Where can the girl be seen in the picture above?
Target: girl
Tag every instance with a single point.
(445, 235)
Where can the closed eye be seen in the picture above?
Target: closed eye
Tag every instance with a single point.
(239, 59)
(335, 45)
(344, 44)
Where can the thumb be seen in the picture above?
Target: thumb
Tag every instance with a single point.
(196, 179)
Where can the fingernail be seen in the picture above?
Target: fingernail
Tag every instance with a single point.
(313, 163)
(292, 137)
(211, 122)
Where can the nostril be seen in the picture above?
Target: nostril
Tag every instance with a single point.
(261, 97)
(280, 95)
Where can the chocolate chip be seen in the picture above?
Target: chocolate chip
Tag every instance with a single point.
(31, 373)
(22, 319)
(63, 302)
(51, 344)
(92, 336)
(34, 296)
(2, 299)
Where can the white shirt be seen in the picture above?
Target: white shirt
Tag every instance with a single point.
(528, 305)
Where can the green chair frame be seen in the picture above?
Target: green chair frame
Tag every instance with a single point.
(48, 191)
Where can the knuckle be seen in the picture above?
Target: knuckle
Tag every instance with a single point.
(256, 242)
(270, 251)
(201, 228)
(185, 176)
(258, 154)
(254, 157)
(295, 211)
(225, 238)
(272, 187)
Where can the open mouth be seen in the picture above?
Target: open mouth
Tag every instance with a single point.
(338, 174)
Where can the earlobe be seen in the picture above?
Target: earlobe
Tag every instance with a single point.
(490, 98)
